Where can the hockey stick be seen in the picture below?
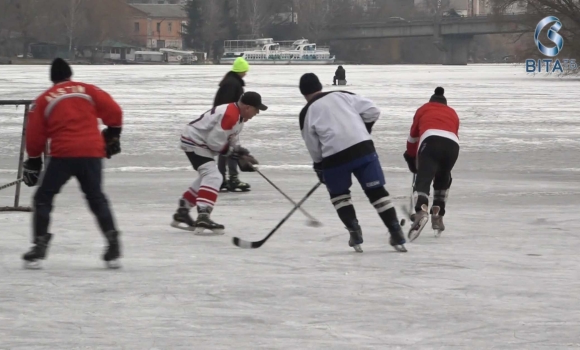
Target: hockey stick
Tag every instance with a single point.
(253, 245)
(408, 211)
(311, 220)
(11, 183)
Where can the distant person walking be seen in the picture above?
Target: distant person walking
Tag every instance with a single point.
(231, 88)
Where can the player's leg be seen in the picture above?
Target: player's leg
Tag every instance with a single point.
(234, 184)
(222, 160)
(210, 180)
(56, 174)
(372, 180)
(338, 181)
(427, 165)
(89, 173)
(181, 218)
(442, 183)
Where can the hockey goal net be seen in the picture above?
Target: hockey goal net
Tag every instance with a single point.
(13, 119)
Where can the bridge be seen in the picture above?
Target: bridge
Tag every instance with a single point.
(451, 35)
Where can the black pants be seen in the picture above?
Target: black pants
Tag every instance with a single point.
(436, 158)
(231, 163)
(88, 172)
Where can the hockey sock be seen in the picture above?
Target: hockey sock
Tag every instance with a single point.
(381, 200)
(211, 180)
(343, 205)
(190, 198)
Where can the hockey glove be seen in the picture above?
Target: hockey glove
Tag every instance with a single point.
(112, 143)
(237, 151)
(410, 162)
(31, 171)
(318, 169)
(247, 163)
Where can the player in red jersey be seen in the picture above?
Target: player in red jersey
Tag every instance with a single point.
(432, 150)
(67, 114)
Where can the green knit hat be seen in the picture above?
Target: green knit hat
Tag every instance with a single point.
(240, 65)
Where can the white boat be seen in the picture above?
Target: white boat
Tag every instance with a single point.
(172, 56)
(266, 51)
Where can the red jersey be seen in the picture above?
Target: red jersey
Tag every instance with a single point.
(433, 118)
(67, 114)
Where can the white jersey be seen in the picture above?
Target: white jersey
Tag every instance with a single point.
(335, 127)
(214, 132)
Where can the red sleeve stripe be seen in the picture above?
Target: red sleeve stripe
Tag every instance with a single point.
(231, 117)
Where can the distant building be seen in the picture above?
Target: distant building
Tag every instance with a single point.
(472, 7)
(157, 26)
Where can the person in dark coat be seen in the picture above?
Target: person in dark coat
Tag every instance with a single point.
(340, 76)
(231, 88)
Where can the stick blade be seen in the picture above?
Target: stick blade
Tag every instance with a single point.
(246, 244)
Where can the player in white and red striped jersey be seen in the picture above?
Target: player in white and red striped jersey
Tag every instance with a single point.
(214, 132)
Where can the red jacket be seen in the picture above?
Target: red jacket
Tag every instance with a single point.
(67, 114)
(433, 118)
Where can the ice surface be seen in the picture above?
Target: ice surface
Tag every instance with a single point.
(505, 274)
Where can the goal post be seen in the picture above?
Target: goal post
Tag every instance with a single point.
(18, 181)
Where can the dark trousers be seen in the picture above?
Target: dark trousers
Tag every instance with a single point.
(436, 158)
(88, 172)
(231, 163)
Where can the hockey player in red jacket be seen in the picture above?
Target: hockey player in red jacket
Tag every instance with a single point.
(432, 150)
(67, 114)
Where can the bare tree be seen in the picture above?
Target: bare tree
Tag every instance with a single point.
(258, 14)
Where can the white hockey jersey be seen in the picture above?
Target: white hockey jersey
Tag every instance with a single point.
(335, 127)
(214, 132)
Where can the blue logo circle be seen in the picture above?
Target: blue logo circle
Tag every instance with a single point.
(552, 35)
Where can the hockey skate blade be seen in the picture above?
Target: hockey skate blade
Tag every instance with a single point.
(202, 231)
(113, 264)
(400, 248)
(32, 265)
(182, 226)
(437, 233)
(414, 234)
(357, 248)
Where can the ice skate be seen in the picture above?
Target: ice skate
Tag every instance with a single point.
(356, 238)
(224, 187)
(204, 222)
(32, 259)
(235, 185)
(437, 221)
(113, 251)
(421, 219)
(397, 240)
(181, 218)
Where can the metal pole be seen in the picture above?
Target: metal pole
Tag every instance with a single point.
(21, 158)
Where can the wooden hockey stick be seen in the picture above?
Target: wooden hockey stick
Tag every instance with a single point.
(257, 244)
(10, 184)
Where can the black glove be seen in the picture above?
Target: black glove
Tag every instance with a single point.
(247, 163)
(318, 169)
(237, 151)
(410, 162)
(369, 126)
(112, 143)
(31, 171)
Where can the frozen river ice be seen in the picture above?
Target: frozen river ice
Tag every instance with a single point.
(504, 275)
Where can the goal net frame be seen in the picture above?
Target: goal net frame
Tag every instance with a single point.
(16, 206)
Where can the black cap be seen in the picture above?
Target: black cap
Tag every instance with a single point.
(309, 84)
(60, 70)
(438, 96)
(253, 99)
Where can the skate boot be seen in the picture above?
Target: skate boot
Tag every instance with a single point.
(356, 238)
(204, 222)
(437, 221)
(32, 259)
(235, 185)
(397, 239)
(113, 251)
(421, 219)
(224, 187)
(181, 218)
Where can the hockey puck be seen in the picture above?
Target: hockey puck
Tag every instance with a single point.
(403, 222)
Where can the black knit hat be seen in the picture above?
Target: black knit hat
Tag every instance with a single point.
(60, 70)
(309, 84)
(438, 96)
